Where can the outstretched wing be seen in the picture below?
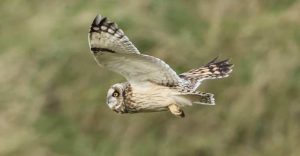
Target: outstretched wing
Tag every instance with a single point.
(112, 49)
(105, 35)
(138, 68)
(212, 70)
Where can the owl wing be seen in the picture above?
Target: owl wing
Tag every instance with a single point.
(113, 50)
(212, 70)
(105, 35)
(138, 68)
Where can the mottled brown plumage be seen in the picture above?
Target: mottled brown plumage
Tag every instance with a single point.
(152, 85)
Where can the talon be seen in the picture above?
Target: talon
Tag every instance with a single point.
(174, 109)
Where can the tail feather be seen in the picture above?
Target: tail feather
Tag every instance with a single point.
(206, 99)
(197, 98)
(211, 70)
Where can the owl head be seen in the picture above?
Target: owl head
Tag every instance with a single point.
(115, 97)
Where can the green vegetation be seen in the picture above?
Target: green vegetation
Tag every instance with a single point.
(52, 94)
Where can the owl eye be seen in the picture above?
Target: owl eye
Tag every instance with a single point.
(115, 94)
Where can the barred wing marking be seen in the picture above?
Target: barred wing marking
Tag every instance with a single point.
(104, 35)
(211, 70)
(113, 50)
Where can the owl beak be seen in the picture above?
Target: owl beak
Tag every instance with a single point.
(117, 109)
(113, 108)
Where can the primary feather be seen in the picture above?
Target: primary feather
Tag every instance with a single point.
(212, 70)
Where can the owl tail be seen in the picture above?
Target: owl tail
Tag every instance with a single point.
(199, 98)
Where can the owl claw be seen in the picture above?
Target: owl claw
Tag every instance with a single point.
(174, 109)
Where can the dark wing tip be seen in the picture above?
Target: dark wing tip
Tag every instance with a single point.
(102, 24)
(97, 20)
(213, 61)
(219, 63)
(223, 66)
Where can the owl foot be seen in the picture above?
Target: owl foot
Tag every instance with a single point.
(174, 109)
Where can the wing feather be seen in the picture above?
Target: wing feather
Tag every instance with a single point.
(212, 70)
(113, 50)
(138, 68)
(105, 35)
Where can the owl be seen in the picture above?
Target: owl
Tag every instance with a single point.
(151, 85)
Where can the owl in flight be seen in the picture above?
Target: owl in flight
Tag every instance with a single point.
(151, 85)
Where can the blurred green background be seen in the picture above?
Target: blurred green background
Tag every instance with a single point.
(52, 93)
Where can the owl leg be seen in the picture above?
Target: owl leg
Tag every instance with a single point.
(174, 109)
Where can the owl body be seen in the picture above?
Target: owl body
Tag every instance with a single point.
(143, 98)
(152, 84)
(151, 97)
